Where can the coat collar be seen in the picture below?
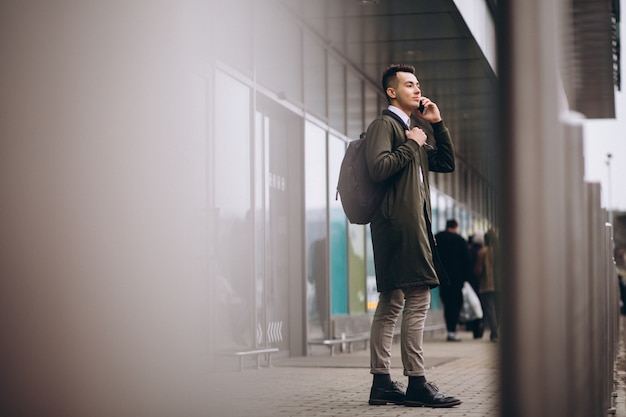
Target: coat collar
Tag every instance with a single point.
(395, 116)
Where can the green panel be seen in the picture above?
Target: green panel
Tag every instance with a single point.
(356, 263)
(372, 294)
(338, 263)
(435, 301)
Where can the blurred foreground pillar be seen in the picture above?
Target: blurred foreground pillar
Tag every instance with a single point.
(102, 288)
(558, 332)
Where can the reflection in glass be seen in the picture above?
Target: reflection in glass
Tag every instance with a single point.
(434, 206)
(316, 197)
(279, 128)
(370, 282)
(442, 210)
(356, 267)
(234, 269)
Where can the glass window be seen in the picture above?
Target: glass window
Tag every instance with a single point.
(355, 105)
(281, 184)
(465, 188)
(370, 105)
(338, 232)
(357, 268)
(438, 207)
(370, 283)
(234, 282)
(482, 206)
(456, 213)
(476, 194)
(467, 185)
(316, 239)
(434, 209)
(336, 95)
(315, 78)
(441, 182)
(442, 207)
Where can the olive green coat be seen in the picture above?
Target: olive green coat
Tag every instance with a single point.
(401, 236)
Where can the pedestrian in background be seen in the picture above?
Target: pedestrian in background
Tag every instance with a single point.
(397, 154)
(476, 242)
(485, 270)
(454, 255)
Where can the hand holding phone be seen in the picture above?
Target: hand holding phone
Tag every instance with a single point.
(428, 110)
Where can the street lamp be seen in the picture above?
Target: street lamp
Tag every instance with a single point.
(609, 203)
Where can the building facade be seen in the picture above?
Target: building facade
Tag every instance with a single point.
(286, 98)
(168, 174)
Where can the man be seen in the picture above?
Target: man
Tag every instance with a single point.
(402, 241)
(454, 254)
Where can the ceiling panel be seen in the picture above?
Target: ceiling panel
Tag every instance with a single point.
(430, 35)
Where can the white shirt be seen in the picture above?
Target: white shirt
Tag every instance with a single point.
(407, 119)
(402, 115)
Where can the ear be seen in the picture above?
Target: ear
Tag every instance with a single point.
(391, 93)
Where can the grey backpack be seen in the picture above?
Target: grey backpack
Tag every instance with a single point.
(360, 195)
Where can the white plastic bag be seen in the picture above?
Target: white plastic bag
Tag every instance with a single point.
(472, 309)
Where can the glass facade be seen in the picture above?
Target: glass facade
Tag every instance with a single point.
(357, 277)
(316, 231)
(233, 202)
(287, 261)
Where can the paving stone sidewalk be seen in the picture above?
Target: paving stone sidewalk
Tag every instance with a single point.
(339, 385)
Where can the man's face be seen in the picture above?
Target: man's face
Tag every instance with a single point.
(406, 94)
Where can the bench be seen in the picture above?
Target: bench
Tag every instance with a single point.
(346, 330)
(242, 354)
(343, 342)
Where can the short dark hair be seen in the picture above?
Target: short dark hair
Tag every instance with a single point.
(451, 224)
(390, 75)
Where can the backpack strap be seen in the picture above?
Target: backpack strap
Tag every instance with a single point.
(396, 118)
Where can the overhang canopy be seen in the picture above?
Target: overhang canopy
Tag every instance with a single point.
(434, 37)
(430, 35)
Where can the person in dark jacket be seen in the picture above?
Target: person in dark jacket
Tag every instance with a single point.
(487, 269)
(476, 243)
(398, 154)
(454, 255)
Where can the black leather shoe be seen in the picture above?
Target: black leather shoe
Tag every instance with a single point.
(428, 396)
(394, 393)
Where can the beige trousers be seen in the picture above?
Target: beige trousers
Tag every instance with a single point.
(416, 302)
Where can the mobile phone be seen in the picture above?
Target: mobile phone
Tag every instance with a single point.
(421, 108)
